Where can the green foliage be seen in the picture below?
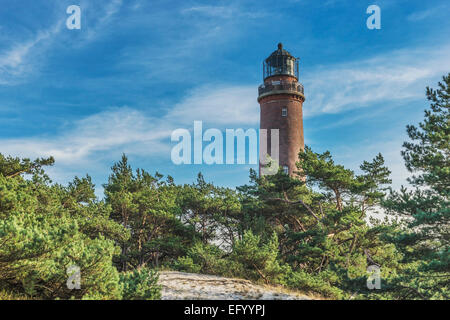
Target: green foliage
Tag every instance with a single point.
(44, 229)
(424, 212)
(12, 167)
(205, 258)
(140, 284)
(210, 210)
(314, 232)
(324, 284)
(321, 222)
(250, 258)
(146, 205)
(258, 260)
(187, 264)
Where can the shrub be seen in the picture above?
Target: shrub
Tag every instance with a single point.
(259, 260)
(140, 284)
(186, 264)
(318, 284)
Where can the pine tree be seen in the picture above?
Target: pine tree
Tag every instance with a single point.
(321, 222)
(425, 210)
(146, 206)
(46, 228)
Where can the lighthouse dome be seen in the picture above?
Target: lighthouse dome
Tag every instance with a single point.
(280, 62)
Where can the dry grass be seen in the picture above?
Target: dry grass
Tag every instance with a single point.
(6, 295)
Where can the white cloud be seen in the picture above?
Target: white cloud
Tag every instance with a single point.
(214, 11)
(119, 127)
(101, 16)
(225, 12)
(134, 132)
(336, 88)
(392, 76)
(424, 14)
(218, 106)
(207, 32)
(16, 61)
(23, 59)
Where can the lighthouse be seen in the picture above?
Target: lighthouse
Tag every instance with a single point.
(281, 98)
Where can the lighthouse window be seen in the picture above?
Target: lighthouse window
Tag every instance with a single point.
(286, 169)
(284, 112)
(288, 67)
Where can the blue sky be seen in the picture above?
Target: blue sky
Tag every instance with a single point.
(138, 69)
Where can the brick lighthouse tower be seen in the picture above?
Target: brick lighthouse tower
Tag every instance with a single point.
(281, 97)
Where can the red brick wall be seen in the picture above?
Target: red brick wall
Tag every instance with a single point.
(291, 126)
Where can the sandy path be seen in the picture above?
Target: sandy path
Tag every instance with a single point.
(180, 286)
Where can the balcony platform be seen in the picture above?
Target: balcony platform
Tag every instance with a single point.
(281, 87)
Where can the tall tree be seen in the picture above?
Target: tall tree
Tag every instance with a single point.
(210, 210)
(47, 228)
(425, 210)
(146, 205)
(321, 220)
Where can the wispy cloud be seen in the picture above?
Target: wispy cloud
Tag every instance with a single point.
(213, 11)
(102, 132)
(16, 62)
(23, 59)
(427, 13)
(391, 76)
(126, 129)
(333, 89)
(191, 38)
(218, 106)
(100, 16)
(225, 12)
